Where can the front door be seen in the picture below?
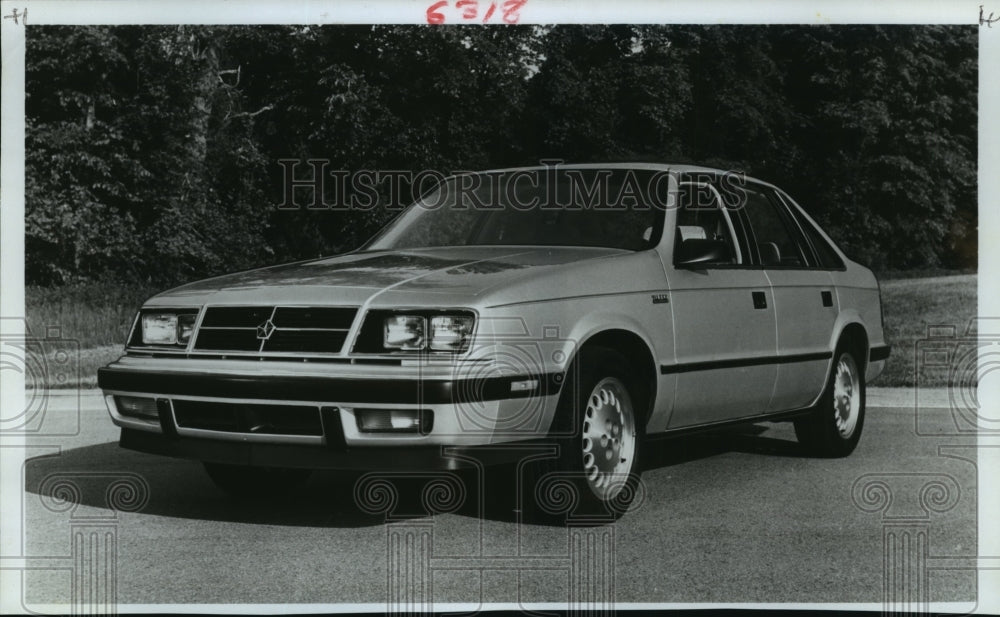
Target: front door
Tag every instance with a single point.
(724, 321)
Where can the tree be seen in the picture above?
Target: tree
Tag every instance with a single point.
(152, 151)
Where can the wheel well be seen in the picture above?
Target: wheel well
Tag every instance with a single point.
(855, 339)
(630, 345)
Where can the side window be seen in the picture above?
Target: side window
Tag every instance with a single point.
(828, 257)
(776, 239)
(703, 227)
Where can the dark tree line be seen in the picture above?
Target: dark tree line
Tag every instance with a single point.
(152, 152)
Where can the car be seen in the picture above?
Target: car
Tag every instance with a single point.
(593, 308)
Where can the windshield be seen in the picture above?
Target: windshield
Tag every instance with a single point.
(614, 208)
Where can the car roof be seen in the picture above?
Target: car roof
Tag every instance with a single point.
(681, 168)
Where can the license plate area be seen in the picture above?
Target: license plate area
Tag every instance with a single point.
(248, 418)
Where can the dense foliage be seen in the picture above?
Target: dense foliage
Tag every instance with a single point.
(152, 152)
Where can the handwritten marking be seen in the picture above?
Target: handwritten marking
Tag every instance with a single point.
(511, 10)
(989, 21)
(468, 10)
(489, 13)
(434, 14)
(14, 15)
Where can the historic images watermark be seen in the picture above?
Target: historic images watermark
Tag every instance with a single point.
(89, 503)
(915, 509)
(90, 564)
(44, 360)
(908, 504)
(92, 559)
(960, 355)
(313, 184)
(507, 346)
(585, 556)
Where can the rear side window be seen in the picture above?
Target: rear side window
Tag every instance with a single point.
(776, 242)
(828, 257)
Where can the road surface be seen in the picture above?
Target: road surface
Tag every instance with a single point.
(735, 516)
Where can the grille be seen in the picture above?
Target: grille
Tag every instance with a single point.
(248, 418)
(274, 329)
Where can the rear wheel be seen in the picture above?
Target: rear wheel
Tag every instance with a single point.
(598, 430)
(256, 482)
(834, 426)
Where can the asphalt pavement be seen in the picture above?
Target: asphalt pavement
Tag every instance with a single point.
(739, 515)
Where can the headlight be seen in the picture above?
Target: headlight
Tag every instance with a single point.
(159, 329)
(404, 332)
(450, 332)
(166, 327)
(427, 331)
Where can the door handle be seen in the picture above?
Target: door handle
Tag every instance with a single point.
(827, 298)
(759, 300)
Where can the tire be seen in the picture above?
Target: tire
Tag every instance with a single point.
(600, 418)
(249, 482)
(833, 428)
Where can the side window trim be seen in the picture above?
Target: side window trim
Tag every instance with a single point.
(809, 257)
(795, 233)
(806, 240)
(751, 237)
(725, 215)
(801, 217)
(745, 236)
(744, 233)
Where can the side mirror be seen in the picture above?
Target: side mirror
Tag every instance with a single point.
(701, 251)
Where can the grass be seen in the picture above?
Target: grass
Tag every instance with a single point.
(92, 321)
(921, 273)
(916, 308)
(79, 328)
(92, 315)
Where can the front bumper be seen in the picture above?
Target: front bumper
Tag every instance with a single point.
(477, 408)
(385, 390)
(378, 458)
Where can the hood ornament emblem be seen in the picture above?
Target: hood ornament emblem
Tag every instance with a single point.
(265, 330)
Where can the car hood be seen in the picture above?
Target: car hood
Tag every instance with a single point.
(356, 277)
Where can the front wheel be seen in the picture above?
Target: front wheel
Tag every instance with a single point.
(249, 482)
(834, 426)
(598, 430)
(609, 440)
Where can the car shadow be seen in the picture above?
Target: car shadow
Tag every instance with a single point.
(111, 478)
(745, 438)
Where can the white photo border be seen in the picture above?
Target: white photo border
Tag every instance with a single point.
(149, 12)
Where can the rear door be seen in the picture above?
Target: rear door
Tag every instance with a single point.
(805, 305)
(724, 324)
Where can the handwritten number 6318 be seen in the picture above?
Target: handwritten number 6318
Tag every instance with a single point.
(470, 10)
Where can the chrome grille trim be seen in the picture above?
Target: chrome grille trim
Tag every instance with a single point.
(273, 330)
